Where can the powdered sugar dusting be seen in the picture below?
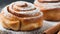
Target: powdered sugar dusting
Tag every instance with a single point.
(29, 7)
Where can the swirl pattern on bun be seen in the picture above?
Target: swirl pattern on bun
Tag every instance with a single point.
(23, 8)
(21, 16)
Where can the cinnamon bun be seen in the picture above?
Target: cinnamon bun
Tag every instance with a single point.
(21, 16)
(50, 9)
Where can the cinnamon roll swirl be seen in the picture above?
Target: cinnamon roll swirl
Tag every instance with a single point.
(21, 16)
(50, 9)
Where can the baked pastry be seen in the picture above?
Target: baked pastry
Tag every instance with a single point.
(50, 9)
(21, 16)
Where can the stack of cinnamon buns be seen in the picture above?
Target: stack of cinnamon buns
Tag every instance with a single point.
(24, 16)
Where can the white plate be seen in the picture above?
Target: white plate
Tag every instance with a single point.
(46, 25)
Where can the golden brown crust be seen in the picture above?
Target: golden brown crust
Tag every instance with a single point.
(51, 14)
(21, 22)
